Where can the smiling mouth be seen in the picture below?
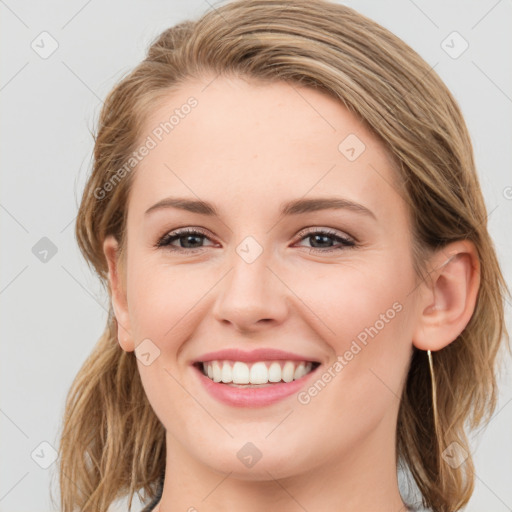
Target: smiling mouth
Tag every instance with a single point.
(257, 374)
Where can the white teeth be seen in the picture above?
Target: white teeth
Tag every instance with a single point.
(259, 372)
(288, 371)
(300, 371)
(227, 373)
(240, 373)
(274, 372)
(217, 372)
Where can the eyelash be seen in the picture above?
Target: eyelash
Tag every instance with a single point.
(166, 240)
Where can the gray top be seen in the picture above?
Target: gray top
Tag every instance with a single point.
(150, 506)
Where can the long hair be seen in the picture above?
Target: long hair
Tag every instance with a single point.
(112, 443)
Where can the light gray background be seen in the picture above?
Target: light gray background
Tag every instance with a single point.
(52, 313)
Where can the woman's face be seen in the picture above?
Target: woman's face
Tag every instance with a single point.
(256, 278)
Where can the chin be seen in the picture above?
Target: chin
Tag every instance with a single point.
(256, 460)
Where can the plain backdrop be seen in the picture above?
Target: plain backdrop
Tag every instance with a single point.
(53, 308)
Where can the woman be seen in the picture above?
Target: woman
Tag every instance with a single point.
(285, 211)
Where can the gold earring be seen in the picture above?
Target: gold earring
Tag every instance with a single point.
(434, 394)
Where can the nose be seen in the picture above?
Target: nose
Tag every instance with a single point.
(252, 297)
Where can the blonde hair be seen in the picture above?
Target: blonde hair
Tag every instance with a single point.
(112, 443)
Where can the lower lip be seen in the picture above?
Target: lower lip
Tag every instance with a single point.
(252, 397)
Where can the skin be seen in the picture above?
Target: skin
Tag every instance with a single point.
(247, 148)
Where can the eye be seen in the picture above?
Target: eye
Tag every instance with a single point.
(319, 239)
(190, 239)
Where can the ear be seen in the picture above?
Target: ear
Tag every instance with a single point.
(447, 296)
(118, 294)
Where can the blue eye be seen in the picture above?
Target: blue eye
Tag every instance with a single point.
(189, 236)
(319, 236)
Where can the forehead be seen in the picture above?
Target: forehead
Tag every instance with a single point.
(256, 143)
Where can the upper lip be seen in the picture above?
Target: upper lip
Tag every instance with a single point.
(260, 354)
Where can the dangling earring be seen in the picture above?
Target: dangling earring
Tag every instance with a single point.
(434, 394)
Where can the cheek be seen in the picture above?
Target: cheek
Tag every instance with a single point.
(371, 347)
(165, 300)
(358, 300)
(363, 313)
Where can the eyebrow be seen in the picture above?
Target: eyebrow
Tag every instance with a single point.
(295, 207)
